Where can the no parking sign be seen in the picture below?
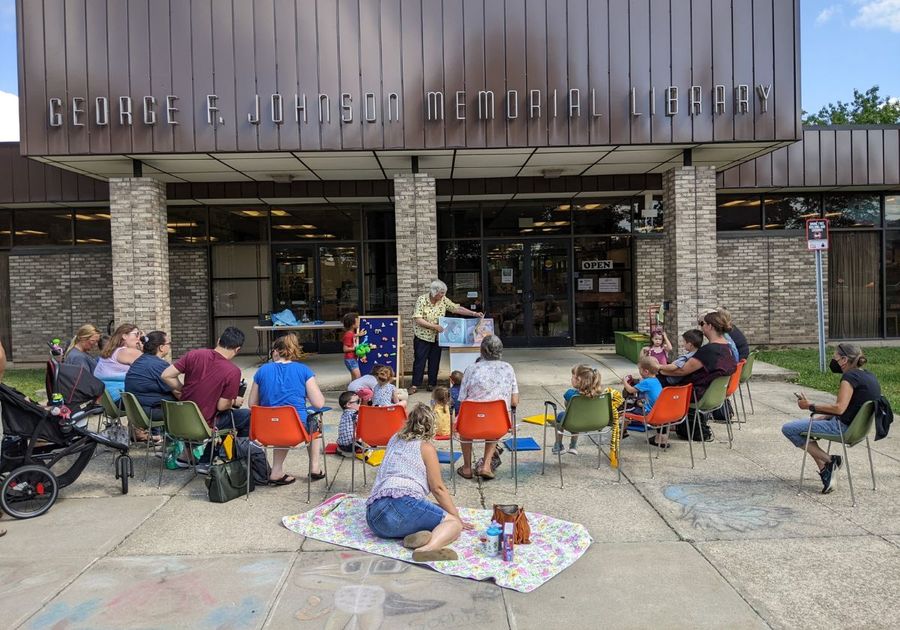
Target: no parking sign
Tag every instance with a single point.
(817, 234)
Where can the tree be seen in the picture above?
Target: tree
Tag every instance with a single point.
(867, 108)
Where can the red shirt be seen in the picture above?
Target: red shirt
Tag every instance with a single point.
(348, 339)
(208, 376)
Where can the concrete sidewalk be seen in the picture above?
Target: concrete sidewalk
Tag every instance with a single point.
(728, 543)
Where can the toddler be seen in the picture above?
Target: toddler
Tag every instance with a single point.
(659, 347)
(384, 394)
(349, 402)
(348, 339)
(692, 340)
(455, 381)
(585, 382)
(440, 404)
(647, 390)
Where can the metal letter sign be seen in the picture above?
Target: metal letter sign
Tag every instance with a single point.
(817, 234)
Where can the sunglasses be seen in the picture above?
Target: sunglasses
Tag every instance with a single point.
(354, 401)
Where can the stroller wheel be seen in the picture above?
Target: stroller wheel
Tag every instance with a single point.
(124, 470)
(29, 491)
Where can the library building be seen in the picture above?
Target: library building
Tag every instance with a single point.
(563, 165)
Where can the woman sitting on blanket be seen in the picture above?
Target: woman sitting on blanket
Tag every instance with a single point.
(397, 506)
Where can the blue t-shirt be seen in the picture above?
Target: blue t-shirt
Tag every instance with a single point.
(144, 380)
(284, 384)
(650, 389)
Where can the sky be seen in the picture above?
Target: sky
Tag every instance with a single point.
(845, 44)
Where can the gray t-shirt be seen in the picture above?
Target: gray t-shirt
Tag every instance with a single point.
(77, 357)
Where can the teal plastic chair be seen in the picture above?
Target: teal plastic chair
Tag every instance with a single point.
(184, 422)
(858, 431)
(138, 418)
(746, 373)
(583, 416)
(713, 399)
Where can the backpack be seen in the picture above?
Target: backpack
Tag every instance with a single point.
(260, 470)
(702, 433)
(884, 416)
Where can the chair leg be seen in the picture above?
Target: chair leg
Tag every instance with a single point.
(702, 439)
(559, 456)
(353, 469)
(453, 464)
(248, 468)
(803, 462)
(728, 428)
(544, 450)
(737, 416)
(871, 465)
(690, 448)
(649, 450)
(162, 460)
(743, 408)
(515, 458)
(147, 457)
(849, 476)
(750, 396)
(309, 473)
(324, 463)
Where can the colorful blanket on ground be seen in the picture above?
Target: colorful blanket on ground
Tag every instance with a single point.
(555, 544)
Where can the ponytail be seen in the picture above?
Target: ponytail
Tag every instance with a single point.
(288, 347)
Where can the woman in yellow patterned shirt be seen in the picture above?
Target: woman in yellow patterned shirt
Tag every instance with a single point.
(429, 308)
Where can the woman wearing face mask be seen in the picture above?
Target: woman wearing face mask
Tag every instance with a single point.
(857, 387)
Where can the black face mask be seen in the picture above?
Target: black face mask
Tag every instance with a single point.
(835, 367)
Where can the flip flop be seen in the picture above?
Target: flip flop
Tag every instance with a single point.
(653, 442)
(463, 475)
(419, 539)
(436, 555)
(486, 475)
(285, 480)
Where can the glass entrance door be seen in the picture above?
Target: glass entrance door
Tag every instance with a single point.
(528, 291)
(317, 282)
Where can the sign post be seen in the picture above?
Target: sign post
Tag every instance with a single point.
(817, 241)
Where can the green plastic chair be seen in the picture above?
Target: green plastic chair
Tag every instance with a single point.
(745, 381)
(858, 431)
(713, 399)
(184, 421)
(138, 418)
(583, 416)
(111, 411)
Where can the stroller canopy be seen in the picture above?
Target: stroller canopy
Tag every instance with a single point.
(27, 419)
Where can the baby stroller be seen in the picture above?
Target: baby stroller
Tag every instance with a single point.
(44, 450)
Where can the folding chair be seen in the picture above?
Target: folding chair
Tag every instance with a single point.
(746, 374)
(714, 398)
(185, 422)
(487, 421)
(280, 428)
(671, 408)
(733, 384)
(138, 418)
(583, 416)
(375, 426)
(854, 434)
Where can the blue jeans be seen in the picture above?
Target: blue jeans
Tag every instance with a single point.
(388, 517)
(351, 364)
(793, 429)
(241, 421)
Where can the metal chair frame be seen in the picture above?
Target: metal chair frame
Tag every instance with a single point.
(560, 430)
(389, 410)
(718, 383)
(136, 415)
(511, 430)
(650, 420)
(213, 433)
(746, 374)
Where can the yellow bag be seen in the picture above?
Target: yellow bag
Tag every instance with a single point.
(372, 457)
(228, 446)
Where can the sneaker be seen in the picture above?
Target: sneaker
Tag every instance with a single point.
(202, 469)
(572, 450)
(558, 449)
(836, 461)
(828, 477)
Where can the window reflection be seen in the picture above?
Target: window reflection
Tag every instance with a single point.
(235, 224)
(43, 227)
(892, 210)
(790, 212)
(186, 225)
(92, 226)
(738, 212)
(5, 229)
(535, 218)
(605, 216)
(858, 210)
(304, 223)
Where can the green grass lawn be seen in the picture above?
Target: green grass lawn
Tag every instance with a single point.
(29, 382)
(883, 363)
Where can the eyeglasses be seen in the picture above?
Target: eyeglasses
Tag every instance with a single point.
(135, 333)
(700, 323)
(354, 401)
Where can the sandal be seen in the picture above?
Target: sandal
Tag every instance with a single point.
(459, 471)
(419, 539)
(436, 555)
(486, 474)
(317, 476)
(652, 441)
(285, 480)
(412, 390)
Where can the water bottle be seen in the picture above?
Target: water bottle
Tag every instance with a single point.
(492, 542)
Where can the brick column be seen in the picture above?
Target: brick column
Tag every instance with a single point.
(415, 216)
(690, 245)
(140, 252)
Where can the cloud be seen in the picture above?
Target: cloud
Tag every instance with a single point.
(9, 117)
(827, 13)
(878, 14)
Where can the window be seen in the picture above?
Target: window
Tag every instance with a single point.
(380, 224)
(459, 221)
(738, 212)
(858, 210)
(381, 279)
(42, 227)
(534, 218)
(237, 224)
(5, 229)
(892, 282)
(92, 227)
(459, 265)
(649, 220)
(892, 210)
(186, 225)
(604, 216)
(303, 223)
(790, 212)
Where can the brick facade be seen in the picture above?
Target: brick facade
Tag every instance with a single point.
(189, 297)
(649, 278)
(769, 285)
(415, 216)
(51, 295)
(140, 252)
(689, 198)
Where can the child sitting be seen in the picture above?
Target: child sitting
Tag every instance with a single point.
(348, 339)
(647, 390)
(692, 340)
(384, 394)
(659, 347)
(455, 382)
(440, 404)
(585, 382)
(349, 402)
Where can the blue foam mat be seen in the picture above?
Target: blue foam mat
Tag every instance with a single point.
(522, 444)
(444, 456)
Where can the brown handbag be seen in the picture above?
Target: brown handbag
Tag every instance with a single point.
(516, 515)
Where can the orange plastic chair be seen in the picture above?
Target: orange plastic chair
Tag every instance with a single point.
(280, 428)
(734, 382)
(375, 426)
(671, 408)
(488, 421)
